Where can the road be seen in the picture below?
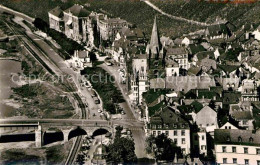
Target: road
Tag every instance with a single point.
(60, 67)
(172, 16)
(138, 134)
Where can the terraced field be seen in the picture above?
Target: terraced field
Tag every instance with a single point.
(142, 15)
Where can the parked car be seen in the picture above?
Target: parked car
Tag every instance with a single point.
(92, 93)
(97, 101)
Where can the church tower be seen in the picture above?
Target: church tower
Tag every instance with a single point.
(155, 46)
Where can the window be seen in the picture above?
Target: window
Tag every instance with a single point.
(182, 132)
(154, 133)
(246, 161)
(258, 151)
(175, 140)
(234, 149)
(166, 133)
(175, 133)
(183, 141)
(251, 139)
(159, 126)
(245, 150)
(203, 137)
(234, 160)
(239, 139)
(258, 162)
(183, 150)
(159, 132)
(224, 149)
(224, 160)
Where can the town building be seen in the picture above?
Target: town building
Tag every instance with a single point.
(206, 118)
(180, 55)
(56, 19)
(109, 27)
(200, 142)
(139, 80)
(234, 146)
(73, 19)
(172, 125)
(80, 60)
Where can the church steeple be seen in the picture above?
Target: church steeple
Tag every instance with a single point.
(155, 44)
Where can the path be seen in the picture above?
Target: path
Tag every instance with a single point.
(174, 17)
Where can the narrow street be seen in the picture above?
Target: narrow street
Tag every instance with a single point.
(138, 134)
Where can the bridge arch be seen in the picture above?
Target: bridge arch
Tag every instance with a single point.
(52, 135)
(76, 132)
(100, 131)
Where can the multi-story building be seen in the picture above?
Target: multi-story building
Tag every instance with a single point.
(76, 23)
(179, 54)
(73, 20)
(172, 125)
(139, 81)
(234, 146)
(200, 142)
(249, 90)
(56, 19)
(172, 68)
(109, 27)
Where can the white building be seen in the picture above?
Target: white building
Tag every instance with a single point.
(233, 146)
(200, 142)
(139, 81)
(172, 125)
(56, 19)
(180, 55)
(256, 33)
(109, 27)
(206, 118)
(80, 60)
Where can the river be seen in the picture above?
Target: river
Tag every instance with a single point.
(7, 68)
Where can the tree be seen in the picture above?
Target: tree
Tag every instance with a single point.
(122, 150)
(162, 147)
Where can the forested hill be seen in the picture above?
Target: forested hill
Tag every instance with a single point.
(142, 15)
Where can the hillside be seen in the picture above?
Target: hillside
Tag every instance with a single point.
(142, 15)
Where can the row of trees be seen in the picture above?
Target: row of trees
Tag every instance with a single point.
(68, 45)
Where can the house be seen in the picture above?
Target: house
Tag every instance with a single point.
(179, 54)
(166, 41)
(243, 114)
(228, 125)
(186, 41)
(256, 33)
(206, 118)
(73, 20)
(172, 125)
(217, 31)
(172, 68)
(200, 142)
(80, 60)
(56, 19)
(234, 146)
(249, 90)
(109, 27)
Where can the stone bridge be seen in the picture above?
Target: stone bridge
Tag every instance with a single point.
(45, 131)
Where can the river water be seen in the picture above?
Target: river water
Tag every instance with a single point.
(7, 69)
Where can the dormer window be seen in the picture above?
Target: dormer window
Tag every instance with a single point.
(175, 125)
(239, 139)
(251, 139)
